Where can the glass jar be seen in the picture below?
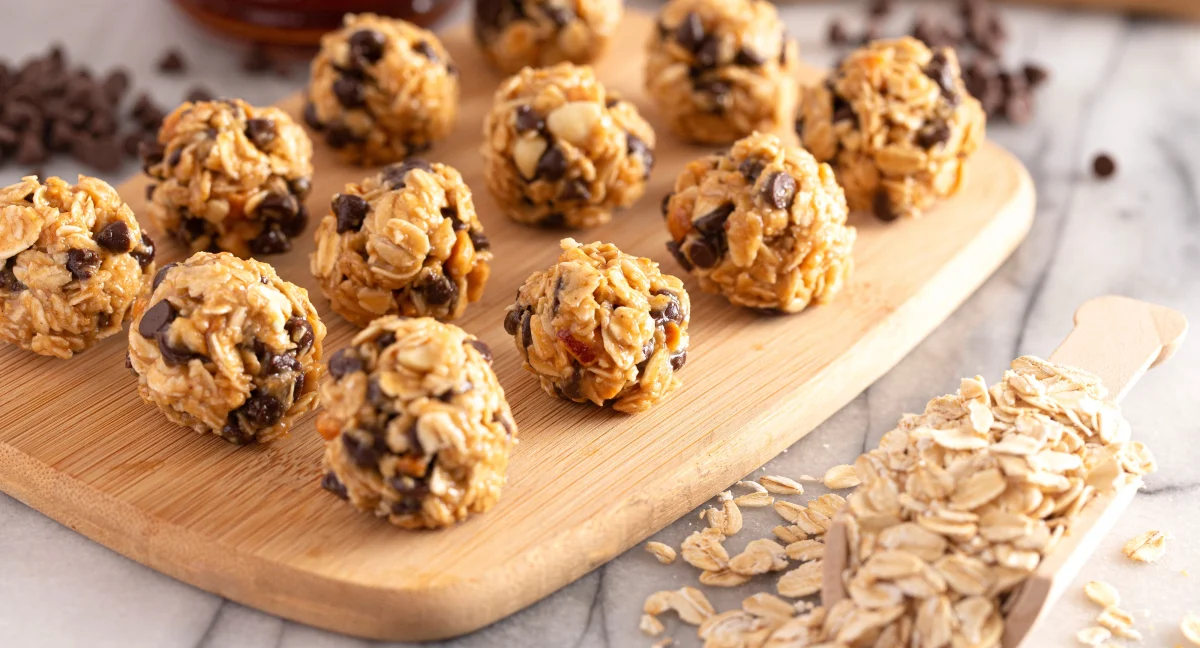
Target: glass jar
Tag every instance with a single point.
(301, 22)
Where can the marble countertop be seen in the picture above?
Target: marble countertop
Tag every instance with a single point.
(1127, 86)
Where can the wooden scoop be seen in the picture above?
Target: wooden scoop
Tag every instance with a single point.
(1117, 339)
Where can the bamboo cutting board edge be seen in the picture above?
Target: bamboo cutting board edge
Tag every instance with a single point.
(316, 589)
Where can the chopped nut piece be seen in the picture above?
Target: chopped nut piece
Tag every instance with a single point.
(1101, 593)
(1146, 547)
(664, 553)
(781, 485)
(650, 625)
(840, 477)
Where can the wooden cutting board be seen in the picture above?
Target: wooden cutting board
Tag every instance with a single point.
(584, 484)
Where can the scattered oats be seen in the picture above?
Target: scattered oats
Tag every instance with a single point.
(801, 581)
(733, 628)
(789, 534)
(733, 517)
(1146, 547)
(1190, 627)
(755, 500)
(781, 485)
(760, 557)
(650, 625)
(1093, 636)
(752, 486)
(767, 605)
(840, 477)
(703, 550)
(723, 578)
(1119, 622)
(664, 553)
(658, 602)
(806, 550)
(828, 504)
(691, 605)
(1101, 594)
(663, 643)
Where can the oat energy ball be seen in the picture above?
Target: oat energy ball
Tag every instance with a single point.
(416, 425)
(404, 241)
(223, 345)
(602, 326)
(230, 177)
(558, 150)
(381, 89)
(536, 33)
(764, 225)
(722, 69)
(896, 123)
(72, 261)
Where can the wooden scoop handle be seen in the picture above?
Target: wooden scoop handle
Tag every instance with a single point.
(1118, 339)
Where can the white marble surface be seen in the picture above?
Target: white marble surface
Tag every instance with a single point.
(1129, 86)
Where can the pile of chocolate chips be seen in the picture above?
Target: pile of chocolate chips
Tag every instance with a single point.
(978, 34)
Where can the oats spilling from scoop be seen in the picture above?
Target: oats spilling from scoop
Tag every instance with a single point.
(1146, 547)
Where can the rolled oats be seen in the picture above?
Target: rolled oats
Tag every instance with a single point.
(805, 550)
(759, 557)
(1146, 547)
(723, 578)
(691, 605)
(663, 553)
(762, 224)
(1101, 594)
(719, 70)
(768, 606)
(560, 150)
(897, 123)
(1093, 636)
(72, 261)
(405, 241)
(381, 89)
(1190, 627)
(840, 477)
(539, 33)
(650, 625)
(602, 326)
(416, 425)
(1119, 622)
(801, 581)
(230, 176)
(224, 345)
(703, 550)
(754, 500)
(781, 485)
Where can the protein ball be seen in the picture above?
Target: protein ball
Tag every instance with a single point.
(722, 69)
(224, 346)
(404, 241)
(536, 33)
(381, 89)
(764, 225)
(416, 426)
(559, 150)
(72, 261)
(229, 176)
(896, 123)
(602, 326)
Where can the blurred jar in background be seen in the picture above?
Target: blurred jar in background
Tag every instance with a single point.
(301, 22)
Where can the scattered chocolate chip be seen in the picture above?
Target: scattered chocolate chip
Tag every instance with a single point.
(750, 169)
(1104, 166)
(261, 132)
(483, 349)
(883, 208)
(669, 313)
(437, 289)
(575, 189)
(156, 318)
(199, 93)
(172, 62)
(552, 165)
(344, 361)
(678, 359)
(690, 33)
(115, 237)
(366, 46)
(718, 89)
(350, 211)
(301, 332)
(703, 253)
(677, 253)
(713, 223)
(350, 92)
(748, 58)
(257, 59)
(331, 483)
(1035, 75)
(82, 263)
(780, 190)
(151, 153)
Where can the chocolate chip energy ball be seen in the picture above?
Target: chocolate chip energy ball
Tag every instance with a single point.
(764, 225)
(72, 261)
(896, 123)
(416, 425)
(230, 177)
(559, 150)
(404, 241)
(722, 69)
(381, 89)
(536, 33)
(602, 326)
(223, 345)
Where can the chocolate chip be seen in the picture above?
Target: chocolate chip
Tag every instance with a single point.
(479, 240)
(437, 289)
(512, 320)
(363, 454)
(708, 55)
(525, 119)
(172, 62)
(310, 117)
(281, 363)
(843, 111)
(103, 320)
(198, 94)
(395, 174)
(263, 410)
(1104, 166)
(638, 148)
(1035, 75)
(300, 187)
(151, 153)
(425, 49)
(837, 33)
(780, 190)
(261, 132)
(678, 359)
(366, 46)
(350, 92)
(301, 332)
(880, 8)
(527, 329)
(572, 387)
(331, 483)
(747, 57)
(718, 89)
(278, 207)
(385, 339)
(145, 255)
(162, 274)
(690, 33)
(483, 349)
(340, 136)
(233, 431)
(575, 189)
(669, 313)
(664, 206)
(156, 318)
(933, 134)
(713, 223)
(553, 220)
(350, 211)
(344, 361)
(647, 353)
(751, 168)
(552, 165)
(680, 258)
(882, 205)
(8, 279)
(560, 16)
(271, 240)
(82, 263)
(257, 59)
(31, 150)
(703, 253)
(114, 237)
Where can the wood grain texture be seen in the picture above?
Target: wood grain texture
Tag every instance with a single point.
(584, 484)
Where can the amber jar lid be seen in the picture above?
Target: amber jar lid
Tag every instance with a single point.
(301, 22)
